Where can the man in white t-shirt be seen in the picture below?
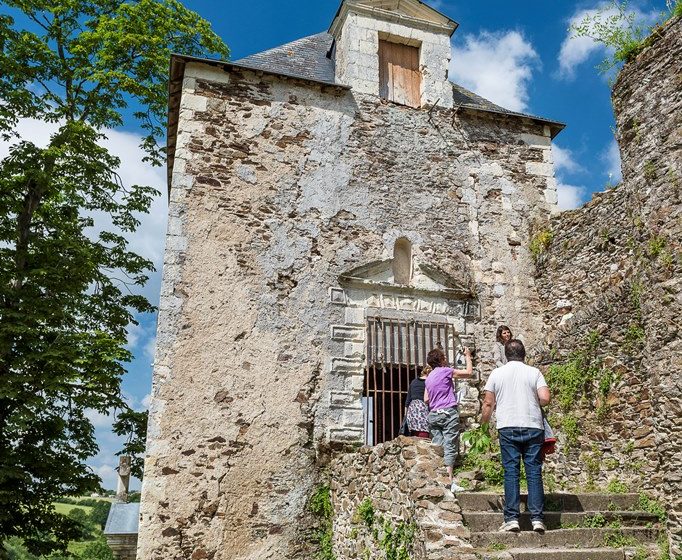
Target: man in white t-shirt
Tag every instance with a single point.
(517, 391)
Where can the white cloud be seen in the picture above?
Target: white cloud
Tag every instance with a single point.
(108, 475)
(98, 419)
(498, 66)
(611, 156)
(150, 348)
(564, 160)
(576, 50)
(570, 196)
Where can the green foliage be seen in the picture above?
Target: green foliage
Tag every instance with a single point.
(365, 513)
(592, 462)
(650, 170)
(594, 521)
(615, 486)
(540, 242)
(571, 429)
(99, 513)
(83, 524)
(497, 546)
(320, 505)
(617, 539)
(664, 547)
(615, 27)
(478, 439)
(488, 465)
(572, 380)
(650, 505)
(640, 554)
(677, 9)
(133, 425)
(97, 550)
(634, 336)
(67, 279)
(656, 246)
(396, 542)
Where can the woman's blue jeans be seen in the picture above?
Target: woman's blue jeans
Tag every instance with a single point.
(516, 443)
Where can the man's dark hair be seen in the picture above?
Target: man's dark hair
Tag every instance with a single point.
(435, 358)
(515, 351)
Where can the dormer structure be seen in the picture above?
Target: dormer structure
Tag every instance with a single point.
(396, 49)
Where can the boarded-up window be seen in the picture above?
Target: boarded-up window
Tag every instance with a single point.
(399, 77)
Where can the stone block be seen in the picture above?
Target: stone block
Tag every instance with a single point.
(346, 366)
(540, 169)
(337, 296)
(355, 316)
(347, 333)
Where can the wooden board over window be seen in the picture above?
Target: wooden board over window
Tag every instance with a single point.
(399, 77)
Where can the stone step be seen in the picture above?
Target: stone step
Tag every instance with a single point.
(482, 501)
(568, 538)
(490, 520)
(567, 554)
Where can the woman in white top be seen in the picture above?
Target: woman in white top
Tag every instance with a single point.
(503, 336)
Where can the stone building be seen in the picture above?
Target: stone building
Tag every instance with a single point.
(337, 207)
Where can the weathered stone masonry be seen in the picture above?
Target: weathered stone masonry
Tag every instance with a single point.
(618, 260)
(279, 187)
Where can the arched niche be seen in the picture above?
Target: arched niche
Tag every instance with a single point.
(402, 261)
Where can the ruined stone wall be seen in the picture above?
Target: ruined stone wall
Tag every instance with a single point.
(618, 260)
(402, 485)
(279, 187)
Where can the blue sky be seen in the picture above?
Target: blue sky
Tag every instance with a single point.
(517, 54)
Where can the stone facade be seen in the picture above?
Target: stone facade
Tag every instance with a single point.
(279, 188)
(618, 262)
(287, 201)
(405, 482)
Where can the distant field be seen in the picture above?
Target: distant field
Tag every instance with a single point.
(64, 509)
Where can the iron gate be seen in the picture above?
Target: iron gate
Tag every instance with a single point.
(396, 354)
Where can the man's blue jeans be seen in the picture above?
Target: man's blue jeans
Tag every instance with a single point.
(516, 443)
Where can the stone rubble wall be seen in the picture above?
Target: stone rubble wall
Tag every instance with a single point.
(279, 187)
(405, 481)
(629, 237)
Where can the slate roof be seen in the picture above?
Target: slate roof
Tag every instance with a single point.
(124, 519)
(308, 58)
(305, 58)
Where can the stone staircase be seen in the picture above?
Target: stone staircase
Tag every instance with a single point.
(579, 527)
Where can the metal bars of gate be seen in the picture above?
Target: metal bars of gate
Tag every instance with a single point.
(396, 354)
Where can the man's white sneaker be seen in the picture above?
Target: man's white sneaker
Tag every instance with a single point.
(510, 526)
(539, 527)
(454, 488)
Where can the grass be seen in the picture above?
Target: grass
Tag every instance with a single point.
(64, 509)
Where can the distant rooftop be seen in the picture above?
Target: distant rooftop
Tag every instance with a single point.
(124, 519)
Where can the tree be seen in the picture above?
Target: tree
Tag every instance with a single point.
(134, 425)
(100, 513)
(97, 550)
(67, 278)
(82, 521)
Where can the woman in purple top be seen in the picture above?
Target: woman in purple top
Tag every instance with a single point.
(444, 416)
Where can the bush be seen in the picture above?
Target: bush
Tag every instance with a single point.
(98, 550)
(83, 522)
(100, 513)
(321, 506)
